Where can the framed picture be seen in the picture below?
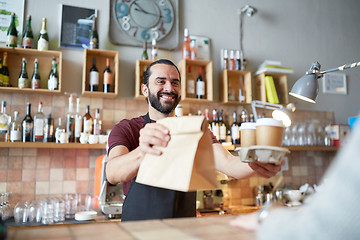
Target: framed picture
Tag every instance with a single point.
(76, 24)
(335, 83)
(6, 8)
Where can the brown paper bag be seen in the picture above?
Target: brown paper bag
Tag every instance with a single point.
(187, 163)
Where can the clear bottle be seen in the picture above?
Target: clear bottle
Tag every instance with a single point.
(200, 86)
(186, 50)
(49, 129)
(235, 134)
(39, 124)
(5, 71)
(60, 127)
(12, 35)
(237, 60)
(43, 42)
(225, 60)
(28, 37)
(97, 123)
(144, 55)
(94, 36)
(215, 128)
(154, 50)
(232, 60)
(190, 84)
(27, 125)
(87, 121)
(23, 77)
(94, 77)
(207, 116)
(78, 121)
(4, 123)
(108, 77)
(70, 120)
(222, 127)
(35, 80)
(193, 50)
(53, 76)
(15, 128)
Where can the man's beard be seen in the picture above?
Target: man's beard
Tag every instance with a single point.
(163, 108)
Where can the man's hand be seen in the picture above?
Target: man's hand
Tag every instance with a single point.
(265, 170)
(153, 134)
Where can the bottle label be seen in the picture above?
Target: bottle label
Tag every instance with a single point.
(108, 79)
(235, 132)
(43, 44)
(222, 132)
(52, 83)
(48, 131)
(216, 131)
(78, 125)
(88, 126)
(190, 86)
(5, 81)
(4, 122)
(23, 82)
(35, 83)
(11, 41)
(94, 78)
(15, 135)
(93, 43)
(27, 42)
(27, 129)
(39, 128)
(200, 88)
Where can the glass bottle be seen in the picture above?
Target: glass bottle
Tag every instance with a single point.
(39, 124)
(237, 60)
(154, 50)
(193, 50)
(43, 42)
(1, 74)
(5, 71)
(235, 134)
(35, 80)
(70, 121)
(4, 122)
(190, 84)
(222, 127)
(23, 78)
(87, 121)
(12, 35)
(94, 77)
(232, 60)
(97, 123)
(215, 125)
(108, 77)
(78, 121)
(28, 37)
(207, 116)
(225, 60)
(144, 55)
(200, 86)
(94, 36)
(53, 76)
(186, 50)
(60, 127)
(27, 125)
(15, 128)
(49, 129)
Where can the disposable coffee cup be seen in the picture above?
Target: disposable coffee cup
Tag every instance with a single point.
(269, 132)
(247, 134)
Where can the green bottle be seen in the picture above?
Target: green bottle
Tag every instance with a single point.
(43, 42)
(23, 78)
(93, 36)
(53, 76)
(1, 75)
(5, 72)
(28, 36)
(35, 80)
(11, 39)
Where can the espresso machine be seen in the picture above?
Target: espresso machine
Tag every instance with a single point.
(111, 197)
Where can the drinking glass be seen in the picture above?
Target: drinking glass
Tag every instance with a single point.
(71, 202)
(35, 211)
(47, 211)
(21, 212)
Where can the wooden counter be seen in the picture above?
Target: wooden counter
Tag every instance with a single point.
(182, 228)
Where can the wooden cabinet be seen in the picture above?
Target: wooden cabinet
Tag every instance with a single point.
(189, 70)
(14, 63)
(235, 87)
(100, 56)
(281, 86)
(140, 68)
(52, 145)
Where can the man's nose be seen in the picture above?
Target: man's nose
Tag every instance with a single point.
(168, 87)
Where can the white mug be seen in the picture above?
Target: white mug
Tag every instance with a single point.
(103, 138)
(93, 139)
(84, 138)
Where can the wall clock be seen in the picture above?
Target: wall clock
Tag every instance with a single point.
(135, 21)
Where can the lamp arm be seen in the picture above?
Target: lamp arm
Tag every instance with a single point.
(341, 68)
(260, 104)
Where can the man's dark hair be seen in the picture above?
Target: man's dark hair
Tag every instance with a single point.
(160, 61)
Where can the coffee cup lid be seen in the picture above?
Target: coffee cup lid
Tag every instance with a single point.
(248, 126)
(269, 122)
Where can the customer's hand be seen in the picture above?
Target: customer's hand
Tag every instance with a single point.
(153, 134)
(248, 222)
(265, 170)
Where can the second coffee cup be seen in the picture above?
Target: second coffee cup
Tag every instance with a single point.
(247, 134)
(269, 132)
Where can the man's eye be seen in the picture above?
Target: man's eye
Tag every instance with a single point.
(176, 84)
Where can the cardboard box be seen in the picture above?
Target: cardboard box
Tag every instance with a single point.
(339, 134)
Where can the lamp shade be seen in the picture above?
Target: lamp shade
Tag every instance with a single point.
(306, 88)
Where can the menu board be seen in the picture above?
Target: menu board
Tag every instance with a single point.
(6, 8)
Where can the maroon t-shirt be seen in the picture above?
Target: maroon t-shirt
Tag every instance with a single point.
(127, 133)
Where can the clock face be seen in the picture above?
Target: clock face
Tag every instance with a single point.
(143, 20)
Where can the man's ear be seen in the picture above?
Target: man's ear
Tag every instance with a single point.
(145, 90)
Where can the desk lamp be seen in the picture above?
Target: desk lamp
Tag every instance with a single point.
(307, 88)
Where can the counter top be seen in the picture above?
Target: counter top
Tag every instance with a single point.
(209, 227)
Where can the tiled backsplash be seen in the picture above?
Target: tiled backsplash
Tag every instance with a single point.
(37, 173)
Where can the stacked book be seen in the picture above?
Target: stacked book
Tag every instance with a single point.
(271, 93)
(270, 66)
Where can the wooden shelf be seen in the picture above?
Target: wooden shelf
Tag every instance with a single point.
(231, 82)
(140, 68)
(313, 148)
(281, 86)
(14, 60)
(51, 145)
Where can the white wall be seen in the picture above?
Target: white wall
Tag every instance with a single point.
(294, 32)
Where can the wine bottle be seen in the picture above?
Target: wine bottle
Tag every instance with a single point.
(15, 128)
(39, 124)
(94, 37)
(108, 77)
(60, 127)
(43, 42)
(237, 60)
(200, 86)
(5, 72)
(190, 84)
(154, 50)
(232, 60)
(215, 125)
(1, 74)
(186, 50)
(12, 35)
(78, 121)
(27, 125)
(235, 135)
(222, 127)
(4, 122)
(53, 76)
(35, 80)
(87, 121)
(70, 121)
(23, 77)
(97, 123)
(144, 55)
(28, 37)
(94, 77)
(49, 129)
(225, 60)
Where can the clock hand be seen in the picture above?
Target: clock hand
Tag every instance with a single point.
(146, 12)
